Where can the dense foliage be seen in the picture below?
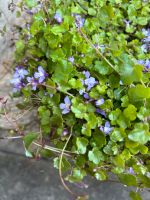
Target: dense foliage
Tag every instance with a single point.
(84, 65)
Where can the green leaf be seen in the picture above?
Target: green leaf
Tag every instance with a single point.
(31, 3)
(78, 108)
(128, 71)
(65, 165)
(20, 46)
(139, 92)
(29, 138)
(135, 195)
(77, 175)
(140, 133)
(98, 139)
(91, 11)
(118, 135)
(144, 180)
(130, 112)
(128, 179)
(119, 161)
(86, 130)
(81, 143)
(75, 83)
(96, 156)
(100, 175)
(143, 113)
(102, 67)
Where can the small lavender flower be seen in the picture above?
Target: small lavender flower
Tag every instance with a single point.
(147, 64)
(107, 128)
(90, 82)
(147, 34)
(65, 107)
(131, 171)
(127, 22)
(101, 112)
(86, 73)
(40, 75)
(71, 59)
(58, 17)
(144, 48)
(65, 132)
(86, 96)
(33, 82)
(17, 84)
(79, 21)
(20, 72)
(99, 102)
(81, 92)
(141, 62)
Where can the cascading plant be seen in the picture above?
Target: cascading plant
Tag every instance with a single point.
(84, 65)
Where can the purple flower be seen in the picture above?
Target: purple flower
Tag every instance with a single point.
(107, 128)
(131, 171)
(86, 96)
(79, 21)
(58, 17)
(81, 92)
(40, 75)
(20, 72)
(99, 102)
(101, 112)
(146, 32)
(86, 73)
(65, 107)
(65, 132)
(147, 64)
(33, 82)
(17, 84)
(71, 59)
(144, 48)
(127, 22)
(90, 82)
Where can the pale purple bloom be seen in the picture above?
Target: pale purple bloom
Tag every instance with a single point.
(90, 82)
(20, 72)
(147, 64)
(65, 132)
(17, 84)
(33, 82)
(99, 102)
(147, 34)
(86, 73)
(131, 171)
(71, 59)
(81, 91)
(86, 96)
(18, 77)
(141, 62)
(144, 48)
(101, 112)
(127, 22)
(79, 21)
(107, 128)
(40, 75)
(65, 107)
(58, 17)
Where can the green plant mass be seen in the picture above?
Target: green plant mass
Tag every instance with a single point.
(84, 65)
